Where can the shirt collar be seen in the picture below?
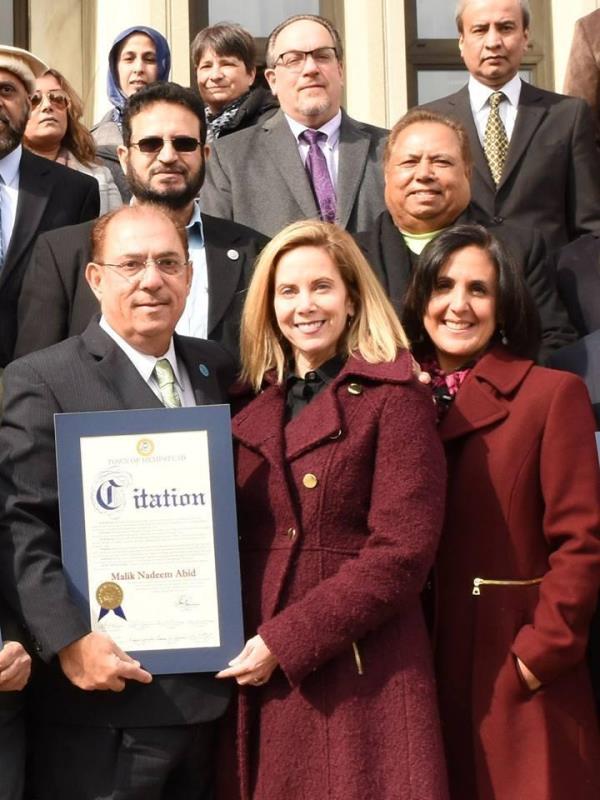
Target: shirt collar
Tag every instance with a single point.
(326, 372)
(9, 165)
(480, 94)
(194, 226)
(195, 219)
(331, 128)
(143, 362)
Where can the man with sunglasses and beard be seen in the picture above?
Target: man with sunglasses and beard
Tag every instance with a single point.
(36, 195)
(163, 158)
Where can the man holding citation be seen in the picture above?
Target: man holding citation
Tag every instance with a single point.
(104, 727)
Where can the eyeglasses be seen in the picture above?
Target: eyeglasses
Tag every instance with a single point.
(153, 144)
(56, 97)
(294, 60)
(133, 268)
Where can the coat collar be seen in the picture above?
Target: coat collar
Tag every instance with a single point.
(261, 424)
(482, 399)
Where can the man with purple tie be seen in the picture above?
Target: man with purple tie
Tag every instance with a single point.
(308, 160)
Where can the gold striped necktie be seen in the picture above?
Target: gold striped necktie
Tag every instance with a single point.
(495, 140)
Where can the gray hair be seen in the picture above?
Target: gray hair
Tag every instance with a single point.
(525, 11)
(271, 56)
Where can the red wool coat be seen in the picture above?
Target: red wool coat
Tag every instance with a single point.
(523, 505)
(339, 517)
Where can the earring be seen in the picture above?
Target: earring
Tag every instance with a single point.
(503, 337)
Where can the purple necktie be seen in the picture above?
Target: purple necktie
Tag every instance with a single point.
(318, 172)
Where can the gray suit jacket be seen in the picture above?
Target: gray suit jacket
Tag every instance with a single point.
(550, 179)
(256, 177)
(84, 373)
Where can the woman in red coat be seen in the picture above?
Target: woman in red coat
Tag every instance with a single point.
(518, 568)
(341, 481)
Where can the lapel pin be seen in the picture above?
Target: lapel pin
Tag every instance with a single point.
(233, 255)
(203, 370)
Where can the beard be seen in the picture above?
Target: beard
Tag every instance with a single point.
(11, 132)
(170, 198)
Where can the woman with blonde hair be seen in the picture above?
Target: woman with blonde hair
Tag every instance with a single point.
(340, 481)
(55, 131)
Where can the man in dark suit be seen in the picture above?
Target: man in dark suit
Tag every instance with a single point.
(427, 168)
(308, 160)
(577, 269)
(105, 727)
(583, 359)
(535, 160)
(35, 194)
(166, 117)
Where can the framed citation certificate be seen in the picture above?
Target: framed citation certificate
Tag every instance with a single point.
(149, 533)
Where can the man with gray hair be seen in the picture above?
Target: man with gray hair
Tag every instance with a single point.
(535, 161)
(308, 160)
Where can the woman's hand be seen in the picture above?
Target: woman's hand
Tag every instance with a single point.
(528, 677)
(254, 665)
(15, 667)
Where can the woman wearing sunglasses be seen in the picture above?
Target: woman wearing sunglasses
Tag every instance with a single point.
(55, 131)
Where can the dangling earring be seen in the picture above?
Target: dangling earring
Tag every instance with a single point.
(503, 337)
(349, 321)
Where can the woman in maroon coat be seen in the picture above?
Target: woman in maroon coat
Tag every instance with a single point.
(518, 568)
(340, 488)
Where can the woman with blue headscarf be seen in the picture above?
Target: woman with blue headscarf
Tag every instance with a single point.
(138, 56)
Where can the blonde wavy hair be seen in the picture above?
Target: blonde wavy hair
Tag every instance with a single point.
(374, 331)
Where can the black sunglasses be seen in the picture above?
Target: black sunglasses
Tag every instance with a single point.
(152, 144)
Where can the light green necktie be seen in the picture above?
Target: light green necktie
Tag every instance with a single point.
(495, 140)
(163, 373)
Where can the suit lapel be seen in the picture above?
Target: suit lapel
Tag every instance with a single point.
(34, 193)
(117, 370)
(280, 147)
(529, 116)
(223, 270)
(462, 106)
(354, 149)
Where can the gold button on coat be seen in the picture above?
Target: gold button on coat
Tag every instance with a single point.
(355, 388)
(310, 480)
(291, 532)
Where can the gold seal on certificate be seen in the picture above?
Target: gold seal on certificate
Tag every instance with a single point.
(110, 596)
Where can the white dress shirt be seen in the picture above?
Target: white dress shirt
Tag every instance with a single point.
(330, 147)
(9, 193)
(194, 320)
(145, 363)
(479, 96)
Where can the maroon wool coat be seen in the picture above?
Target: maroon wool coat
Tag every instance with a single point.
(523, 504)
(332, 567)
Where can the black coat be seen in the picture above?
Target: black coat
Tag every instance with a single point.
(50, 196)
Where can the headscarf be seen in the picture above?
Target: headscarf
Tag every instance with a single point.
(163, 62)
